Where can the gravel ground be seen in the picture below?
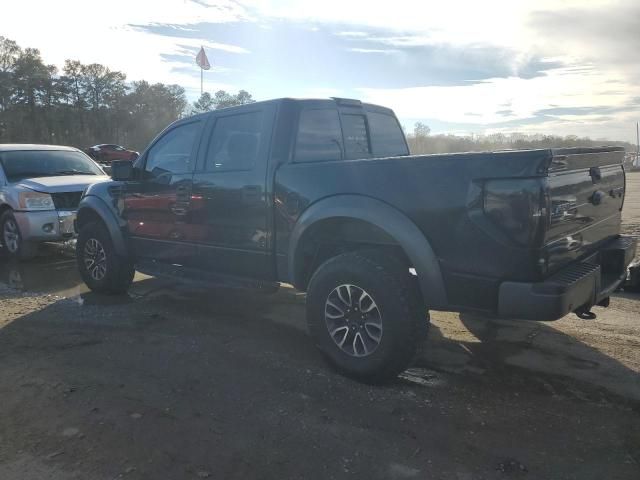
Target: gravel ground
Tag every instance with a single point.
(173, 382)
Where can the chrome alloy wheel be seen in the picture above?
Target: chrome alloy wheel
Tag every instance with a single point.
(95, 259)
(353, 320)
(11, 235)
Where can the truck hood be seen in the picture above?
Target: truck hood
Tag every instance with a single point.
(64, 183)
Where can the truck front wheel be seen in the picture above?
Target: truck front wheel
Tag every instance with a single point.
(366, 315)
(101, 268)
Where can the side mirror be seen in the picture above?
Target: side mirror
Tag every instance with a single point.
(122, 170)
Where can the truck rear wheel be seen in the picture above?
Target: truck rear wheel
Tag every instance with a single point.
(101, 268)
(366, 315)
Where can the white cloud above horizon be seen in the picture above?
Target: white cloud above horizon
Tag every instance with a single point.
(591, 91)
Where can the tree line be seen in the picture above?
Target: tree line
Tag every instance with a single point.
(421, 141)
(87, 104)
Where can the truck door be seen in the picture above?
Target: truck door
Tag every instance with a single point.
(158, 207)
(234, 197)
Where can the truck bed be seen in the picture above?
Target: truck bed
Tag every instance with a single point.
(443, 195)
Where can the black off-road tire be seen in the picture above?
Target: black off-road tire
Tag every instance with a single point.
(118, 270)
(404, 318)
(25, 250)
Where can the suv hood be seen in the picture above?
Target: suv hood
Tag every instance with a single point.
(64, 183)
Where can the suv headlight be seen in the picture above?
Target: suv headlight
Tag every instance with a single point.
(36, 201)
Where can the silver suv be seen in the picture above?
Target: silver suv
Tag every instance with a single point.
(40, 188)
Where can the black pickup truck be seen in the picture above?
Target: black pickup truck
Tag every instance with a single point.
(323, 195)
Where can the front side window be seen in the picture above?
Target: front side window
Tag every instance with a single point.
(235, 142)
(387, 139)
(172, 153)
(18, 165)
(356, 141)
(319, 136)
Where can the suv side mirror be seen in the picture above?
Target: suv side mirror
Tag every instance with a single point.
(122, 170)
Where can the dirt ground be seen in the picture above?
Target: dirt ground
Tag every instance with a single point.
(174, 382)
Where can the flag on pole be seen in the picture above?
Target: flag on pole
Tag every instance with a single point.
(202, 60)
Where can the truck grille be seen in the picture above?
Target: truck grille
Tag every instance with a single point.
(66, 200)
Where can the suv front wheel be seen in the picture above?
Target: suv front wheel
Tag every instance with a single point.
(15, 246)
(366, 314)
(101, 268)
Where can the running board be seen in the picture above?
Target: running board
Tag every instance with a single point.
(203, 278)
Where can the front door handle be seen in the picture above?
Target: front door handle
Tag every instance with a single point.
(183, 192)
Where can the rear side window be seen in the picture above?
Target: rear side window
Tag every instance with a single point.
(356, 141)
(319, 136)
(387, 139)
(235, 142)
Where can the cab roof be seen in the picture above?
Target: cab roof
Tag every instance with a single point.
(303, 102)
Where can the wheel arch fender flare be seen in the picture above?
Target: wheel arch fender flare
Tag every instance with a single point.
(95, 206)
(393, 222)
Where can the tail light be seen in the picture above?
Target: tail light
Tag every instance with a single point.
(518, 208)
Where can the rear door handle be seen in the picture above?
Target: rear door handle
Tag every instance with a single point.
(183, 192)
(179, 210)
(251, 193)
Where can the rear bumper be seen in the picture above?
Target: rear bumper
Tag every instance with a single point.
(52, 225)
(580, 284)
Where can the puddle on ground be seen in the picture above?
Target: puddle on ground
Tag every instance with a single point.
(422, 377)
(52, 272)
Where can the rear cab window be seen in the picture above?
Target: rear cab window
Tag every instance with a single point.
(387, 138)
(356, 136)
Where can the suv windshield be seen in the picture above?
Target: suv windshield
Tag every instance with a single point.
(22, 164)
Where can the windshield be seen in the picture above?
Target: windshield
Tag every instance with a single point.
(22, 164)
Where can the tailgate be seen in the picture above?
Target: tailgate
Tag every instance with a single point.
(586, 189)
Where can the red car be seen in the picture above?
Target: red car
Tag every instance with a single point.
(107, 153)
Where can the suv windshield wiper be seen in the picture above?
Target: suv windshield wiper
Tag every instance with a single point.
(72, 172)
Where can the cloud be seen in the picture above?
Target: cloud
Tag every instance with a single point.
(82, 29)
(352, 34)
(373, 50)
(330, 57)
(567, 67)
(608, 35)
(592, 110)
(561, 102)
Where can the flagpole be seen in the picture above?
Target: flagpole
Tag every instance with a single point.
(203, 62)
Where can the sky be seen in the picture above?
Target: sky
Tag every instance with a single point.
(566, 67)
